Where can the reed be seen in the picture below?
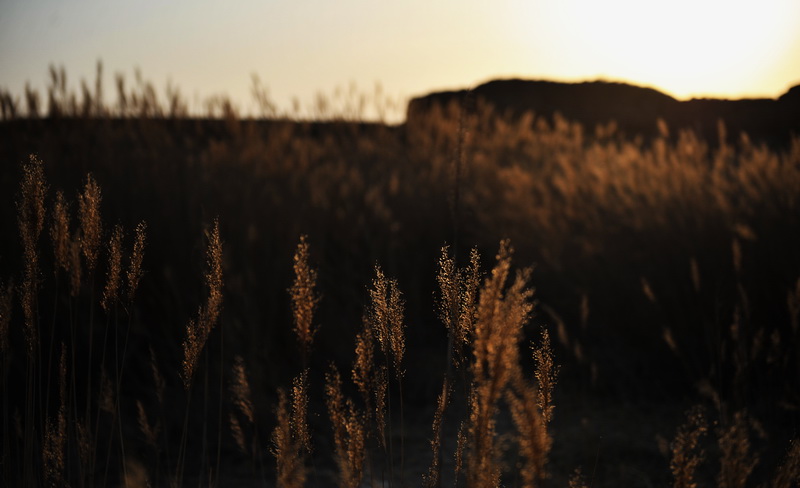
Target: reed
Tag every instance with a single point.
(304, 299)
(291, 439)
(531, 408)
(199, 328)
(348, 432)
(686, 451)
(385, 319)
(91, 224)
(500, 316)
(135, 272)
(31, 214)
(593, 210)
(737, 461)
(114, 272)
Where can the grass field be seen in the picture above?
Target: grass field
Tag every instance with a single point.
(472, 300)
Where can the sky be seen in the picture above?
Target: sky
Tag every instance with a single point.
(299, 48)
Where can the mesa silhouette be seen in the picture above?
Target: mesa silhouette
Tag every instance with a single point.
(635, 109)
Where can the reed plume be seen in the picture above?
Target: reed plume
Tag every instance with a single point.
(53, 453)
(213, 278)
(531, 410)
(737, 461)
(686, 452)
(380, 395)
(456, 307)
(371, 380)
(304, 298)
(59, 233)
(499, 321)
(461, 447)
(242, 399)
(449, 301)
(546, 373)
(500, 316)
(238, 434)
(30, 218)
(291, 472)
(85, 446)
(363, 366)
(90, 222)
(30, 206)
(134, 273)
(396, 327)
(348, 432)
(458, 292)
(114, 272)
(385, 317)
(431, 479)
(199, 328)
(299, 419)
(291, 439)
(192, 345)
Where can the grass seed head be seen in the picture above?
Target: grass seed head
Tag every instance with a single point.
(134, 273)
(304, 297)
(686, 452)
(90, 222)
(30, 217)
(240, 389)
(114, 272)
(59, 233)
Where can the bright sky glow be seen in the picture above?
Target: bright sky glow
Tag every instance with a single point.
(720, 48)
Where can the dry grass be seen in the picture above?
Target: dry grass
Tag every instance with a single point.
(31, 220)
(500, 316)
(304, 298)
(134, 273)
(686, 452)
(199, 328)
(91, 223)
(685, 250)
(286, 447)
(291, 439)
(349, 436)
(737, 460)
(114, 273)
(59, 233)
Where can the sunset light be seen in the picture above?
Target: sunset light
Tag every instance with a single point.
(687, 47)
(298, 48)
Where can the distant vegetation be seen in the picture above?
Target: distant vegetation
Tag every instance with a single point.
(633, 110)
(192, 300)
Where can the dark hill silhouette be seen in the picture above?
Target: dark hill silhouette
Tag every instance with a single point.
(635, 109)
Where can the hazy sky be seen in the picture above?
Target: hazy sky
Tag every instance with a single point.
(686, 48)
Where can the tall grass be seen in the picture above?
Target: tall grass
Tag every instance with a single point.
(666, 268)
